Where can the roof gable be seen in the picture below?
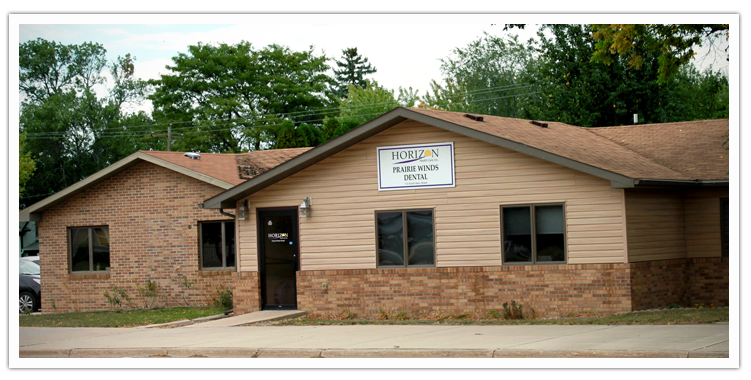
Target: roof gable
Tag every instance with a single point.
(221, 170)
(563, 144)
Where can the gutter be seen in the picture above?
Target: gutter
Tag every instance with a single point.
(681, 183)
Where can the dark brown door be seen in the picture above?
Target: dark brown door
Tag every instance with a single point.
(278, 258)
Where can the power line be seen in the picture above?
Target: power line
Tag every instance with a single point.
(445, 103)
(293, 115)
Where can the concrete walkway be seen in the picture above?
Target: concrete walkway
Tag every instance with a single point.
(216, 340)
(258, 316)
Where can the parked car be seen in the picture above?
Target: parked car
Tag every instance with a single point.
(30, 289)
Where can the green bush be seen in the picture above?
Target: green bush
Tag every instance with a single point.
(224, 298)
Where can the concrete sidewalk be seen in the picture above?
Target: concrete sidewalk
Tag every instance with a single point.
(667, 341)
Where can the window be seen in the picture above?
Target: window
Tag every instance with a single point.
(217, 244)
(725, 225)
(533, 234)
(418, 249)
(89, 249)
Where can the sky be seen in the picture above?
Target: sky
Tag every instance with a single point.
(405, 49)
(401, 59)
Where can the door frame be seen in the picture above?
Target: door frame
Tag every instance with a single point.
(262, 253)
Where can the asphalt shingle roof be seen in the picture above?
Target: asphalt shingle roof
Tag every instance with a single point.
(676, 151)
(229, 167)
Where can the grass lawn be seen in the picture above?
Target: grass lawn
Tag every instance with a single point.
(662, 317)
(118, 318)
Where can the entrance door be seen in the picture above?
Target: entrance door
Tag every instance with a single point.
(278, 258)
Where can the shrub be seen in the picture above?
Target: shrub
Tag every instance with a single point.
(512, 311)
(383, 315)
(401, 316)
(493, 314)
(115, 297)
(150, 293)
(224, 298)
(346, 314)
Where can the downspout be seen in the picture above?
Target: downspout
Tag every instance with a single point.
(221, 211)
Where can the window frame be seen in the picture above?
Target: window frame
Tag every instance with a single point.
(404, 234)
(224, 246)
(91, 250)
(533, 230)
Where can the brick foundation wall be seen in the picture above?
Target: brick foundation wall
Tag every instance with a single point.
(709, 281)
(246, 292)
(551, 290)
(152, 214)
(657, 284)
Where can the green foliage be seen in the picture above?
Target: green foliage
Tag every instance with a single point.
(674, 43)
(150, 293)
(116, 296)
(352, 70)
(235, 98)
(26, 165)
(224, 298)
(303, 135)
(493, 314)
(486, 77)
(70, 132)
(512, 311)
(361, 105)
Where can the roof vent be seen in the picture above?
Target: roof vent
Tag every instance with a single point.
(539, 123)
(192, 156)
(473, 117)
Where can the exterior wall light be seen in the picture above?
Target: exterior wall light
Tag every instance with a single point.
(305, 208)
(242, 212)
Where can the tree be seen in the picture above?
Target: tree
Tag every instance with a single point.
(363, 104)
(26, 165)
(675, 42)
(572, 89)
(484, 77)
(233, 98)
(70, 132)
(352, 71)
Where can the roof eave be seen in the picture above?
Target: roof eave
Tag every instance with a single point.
(230, 197)
(34, 212)
(644, 183)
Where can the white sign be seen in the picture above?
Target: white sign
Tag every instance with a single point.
(416, 166)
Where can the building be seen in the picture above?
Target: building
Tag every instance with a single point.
(139, 220)
(421, 210)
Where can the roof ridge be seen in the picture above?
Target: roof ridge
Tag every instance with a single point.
(650, 159)
(654, 124)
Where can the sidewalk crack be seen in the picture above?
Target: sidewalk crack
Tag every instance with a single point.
(560, 336)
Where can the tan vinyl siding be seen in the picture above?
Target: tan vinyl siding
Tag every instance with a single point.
(655, 222)
(703, 223)
(343, 188)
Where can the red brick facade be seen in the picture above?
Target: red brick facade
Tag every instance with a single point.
(551, 290)
(246, 290)
(152, 214)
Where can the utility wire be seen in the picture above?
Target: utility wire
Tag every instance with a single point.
(193, 131)
(295, 115)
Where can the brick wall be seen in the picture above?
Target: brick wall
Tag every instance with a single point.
(657, 284)
(709, 281)
(152, 216)
(246, 291)
(551, 290)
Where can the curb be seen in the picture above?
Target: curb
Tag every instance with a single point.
(353, 353)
